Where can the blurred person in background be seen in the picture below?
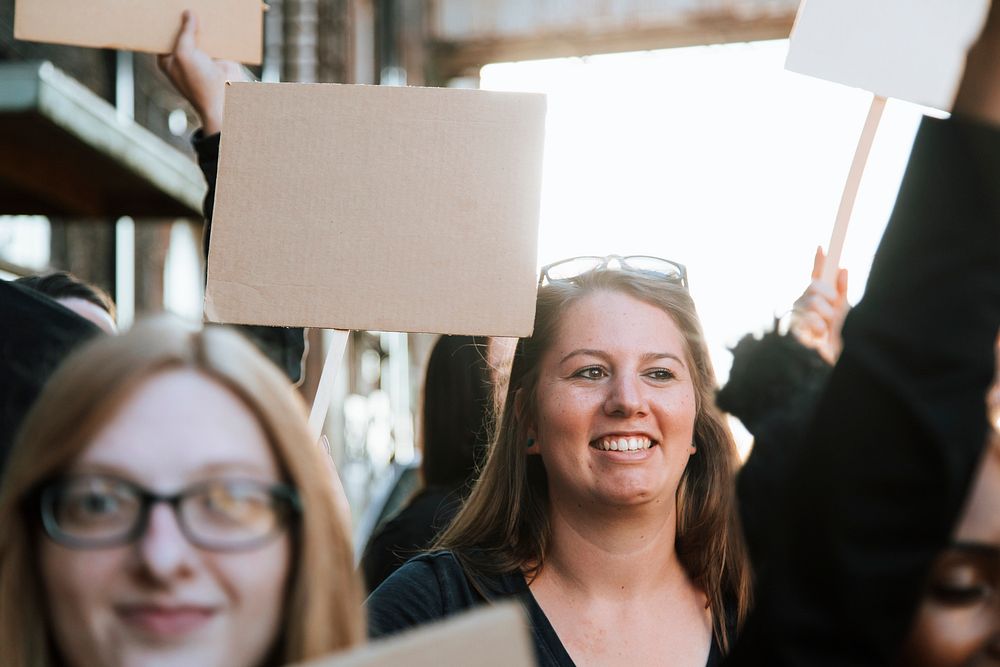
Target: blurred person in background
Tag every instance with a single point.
(44, 319)
(85, 299)
(165, 504)
(957, 623)
(886, 509)
(454, 435)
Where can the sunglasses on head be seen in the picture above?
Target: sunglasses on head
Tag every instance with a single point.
(574, 267)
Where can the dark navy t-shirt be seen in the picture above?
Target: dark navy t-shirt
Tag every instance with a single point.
(433, 586)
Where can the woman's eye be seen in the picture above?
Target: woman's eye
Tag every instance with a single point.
(98, 503)
(960, 596)
(91, 506)
(591, 373)
(661, 374)
(235, 503)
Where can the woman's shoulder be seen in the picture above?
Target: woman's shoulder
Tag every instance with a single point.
(426, 588)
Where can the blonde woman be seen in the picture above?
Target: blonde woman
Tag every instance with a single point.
(165, 505)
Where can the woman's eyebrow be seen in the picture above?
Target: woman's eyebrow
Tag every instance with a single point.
(584, 352)
(655, 356)
(99, 467)
(646, 358)
(976, 548)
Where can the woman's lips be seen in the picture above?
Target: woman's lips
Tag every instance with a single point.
(165, 621)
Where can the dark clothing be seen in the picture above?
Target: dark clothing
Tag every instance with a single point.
(285, 346)
(409, 533)
(36, 334)
(774, 386)
(871, 493)
(434, 586)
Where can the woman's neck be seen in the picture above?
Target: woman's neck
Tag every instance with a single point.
(623, 554)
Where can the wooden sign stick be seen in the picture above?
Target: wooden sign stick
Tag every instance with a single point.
(324, 391)
(839, 234)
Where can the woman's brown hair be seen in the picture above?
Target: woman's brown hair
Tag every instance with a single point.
(504, 526)
(322, 607)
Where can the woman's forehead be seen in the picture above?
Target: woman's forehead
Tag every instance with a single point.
(179, 423)
(615, 322)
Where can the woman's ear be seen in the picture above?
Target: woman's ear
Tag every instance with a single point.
(522, 414)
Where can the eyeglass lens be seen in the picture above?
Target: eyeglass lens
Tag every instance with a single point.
(655, 265)
(572, 268)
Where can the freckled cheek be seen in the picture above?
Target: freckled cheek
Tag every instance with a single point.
(562, 417)
(679, 411)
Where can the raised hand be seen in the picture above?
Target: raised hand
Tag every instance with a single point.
(818, 315)
(199, 78)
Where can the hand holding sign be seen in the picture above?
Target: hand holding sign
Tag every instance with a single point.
(818, 315)
(196, 76)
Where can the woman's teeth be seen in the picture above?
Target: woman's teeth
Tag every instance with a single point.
(624, 444)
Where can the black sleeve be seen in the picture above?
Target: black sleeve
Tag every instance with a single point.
(873, 493)
(285, 346)
(410, 597)
(206, 147)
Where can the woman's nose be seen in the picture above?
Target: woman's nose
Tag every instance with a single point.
(164, 551)
(625, 397)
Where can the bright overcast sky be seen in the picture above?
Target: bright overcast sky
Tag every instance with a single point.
(714, 157)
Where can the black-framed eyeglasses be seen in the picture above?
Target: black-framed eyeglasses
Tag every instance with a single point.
(574, 267)
(100, 511)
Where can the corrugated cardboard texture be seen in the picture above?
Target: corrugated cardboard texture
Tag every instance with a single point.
(912, 50)
(495, 636)
(231, 29)
(377, 208)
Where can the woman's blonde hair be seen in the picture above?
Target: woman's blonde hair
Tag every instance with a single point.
(322, 608)
(504, 526)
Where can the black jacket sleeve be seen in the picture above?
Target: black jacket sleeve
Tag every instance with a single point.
(206, 147)
(873, 492)
(285, 346)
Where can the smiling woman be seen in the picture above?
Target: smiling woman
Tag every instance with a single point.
(606, 503)
(165, 505)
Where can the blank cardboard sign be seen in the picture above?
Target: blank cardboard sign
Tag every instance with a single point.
(494, 636)
(231, 29)
(912, 50)
(377, 208)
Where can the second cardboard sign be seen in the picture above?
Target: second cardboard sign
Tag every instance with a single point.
(230, 29)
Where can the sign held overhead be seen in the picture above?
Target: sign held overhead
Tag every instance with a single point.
(230, 29)
(907, 49)
(377, 208)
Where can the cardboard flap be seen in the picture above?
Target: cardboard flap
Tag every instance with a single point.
(912, 50)
(377, 208)
(230, 29)
(494, 636)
